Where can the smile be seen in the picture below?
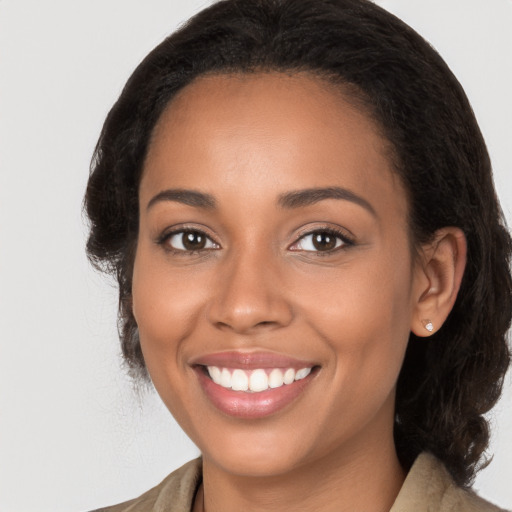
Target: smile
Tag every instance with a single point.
(253, 385)
(255, 381)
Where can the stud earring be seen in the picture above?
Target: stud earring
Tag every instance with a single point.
(428, 325)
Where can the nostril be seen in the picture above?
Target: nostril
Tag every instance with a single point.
(265, 323)
(222, 325)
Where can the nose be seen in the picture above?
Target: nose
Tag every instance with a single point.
(250, 295)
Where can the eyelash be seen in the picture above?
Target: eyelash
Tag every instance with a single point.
(342, 236)
(166, 237)
(346, 241)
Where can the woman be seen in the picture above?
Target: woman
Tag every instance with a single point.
(298, 205)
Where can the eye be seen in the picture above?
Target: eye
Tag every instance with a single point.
(189, 240)
(321, 240)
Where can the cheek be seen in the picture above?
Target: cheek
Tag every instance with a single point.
(371, 295)
(166, 306)
(363, 311)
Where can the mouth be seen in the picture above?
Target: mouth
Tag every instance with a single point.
(255, 381)
(252, 386)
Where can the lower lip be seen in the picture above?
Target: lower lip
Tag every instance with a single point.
(251, 405)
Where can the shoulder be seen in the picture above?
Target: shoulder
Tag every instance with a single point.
(429, 487)
(176, 490)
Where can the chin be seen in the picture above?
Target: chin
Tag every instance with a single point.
(254, 463)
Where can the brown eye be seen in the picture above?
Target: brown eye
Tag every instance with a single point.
(322, 240)
(190, 241)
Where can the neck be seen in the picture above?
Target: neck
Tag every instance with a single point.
(365, 477)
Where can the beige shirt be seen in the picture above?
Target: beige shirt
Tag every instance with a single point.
(427, 488)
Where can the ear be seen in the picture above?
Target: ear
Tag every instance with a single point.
(438, 275)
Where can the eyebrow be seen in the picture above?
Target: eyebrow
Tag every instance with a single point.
(310, 196)
(289, 200)
(188, 197)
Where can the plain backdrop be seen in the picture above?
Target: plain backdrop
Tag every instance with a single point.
(73, 433)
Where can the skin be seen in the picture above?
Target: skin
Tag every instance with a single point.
(260, 285)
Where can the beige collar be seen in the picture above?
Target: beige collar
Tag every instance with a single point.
(427, 488)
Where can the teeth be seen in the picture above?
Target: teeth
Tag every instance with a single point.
(225, 378)
(302, 374)
(289, 376)
(275, 379)
(256, 380)
(239, 381)
(214, 374)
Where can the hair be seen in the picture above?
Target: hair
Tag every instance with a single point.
(447, 384)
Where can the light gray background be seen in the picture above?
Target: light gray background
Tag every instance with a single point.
(73, 434)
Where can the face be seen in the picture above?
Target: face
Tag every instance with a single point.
(273, 282)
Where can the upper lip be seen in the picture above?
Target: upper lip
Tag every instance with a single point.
(251, 360)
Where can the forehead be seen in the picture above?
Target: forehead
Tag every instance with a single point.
(288, 131)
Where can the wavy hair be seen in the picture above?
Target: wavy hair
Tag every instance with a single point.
(447, 384)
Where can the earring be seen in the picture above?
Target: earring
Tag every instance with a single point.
(428, 325)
